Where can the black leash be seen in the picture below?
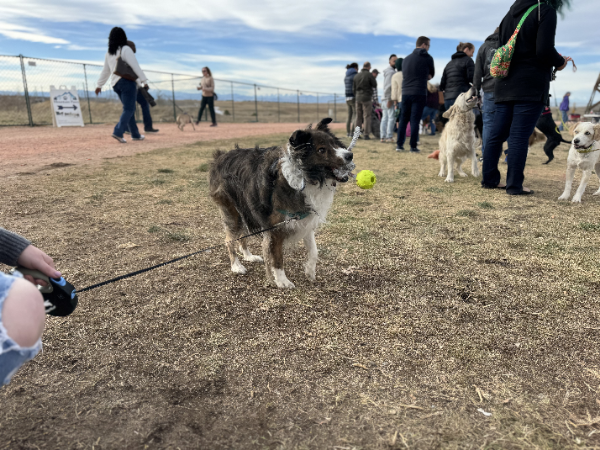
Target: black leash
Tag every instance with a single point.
(137, 272)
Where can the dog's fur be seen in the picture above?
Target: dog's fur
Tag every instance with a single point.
(458, 141)
(183, 119)
(586, 136)
(261, 187)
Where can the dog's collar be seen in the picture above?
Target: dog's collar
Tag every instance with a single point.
(590, 149)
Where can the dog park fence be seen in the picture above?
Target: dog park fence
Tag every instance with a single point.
(25, 96)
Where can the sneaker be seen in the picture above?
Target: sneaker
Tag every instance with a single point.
(399, 149)
(151, 131)
(213, 124)
(415, 150)
(120, 139)
(141, 138)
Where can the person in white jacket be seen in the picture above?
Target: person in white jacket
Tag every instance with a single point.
(125, 89)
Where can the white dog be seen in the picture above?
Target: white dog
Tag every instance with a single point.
(584, 153)
(458, 141)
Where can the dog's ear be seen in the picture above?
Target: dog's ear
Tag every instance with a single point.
(597, 132)
(449, 113)
(572, 128)
(300, 137)
(322, 125)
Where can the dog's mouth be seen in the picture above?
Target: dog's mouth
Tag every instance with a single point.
(472, 100)
(580, 146)
(344, 173)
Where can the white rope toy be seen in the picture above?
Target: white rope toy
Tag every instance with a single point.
(354, 139)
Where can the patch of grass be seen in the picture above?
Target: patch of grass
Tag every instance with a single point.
(466, 213)
(203, 167)
(485, 205)
(154, 229)
(98, 197)
(436, 190)
(586, 226)
(165, 201)
(177, 236)
(158, 181)
(166, 171)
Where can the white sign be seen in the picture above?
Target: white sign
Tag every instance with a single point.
(66, 111)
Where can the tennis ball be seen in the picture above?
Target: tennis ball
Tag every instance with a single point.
(365, 179)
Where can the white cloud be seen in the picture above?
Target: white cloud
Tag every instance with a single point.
(28, 34)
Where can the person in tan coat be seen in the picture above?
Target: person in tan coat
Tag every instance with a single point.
(207, 86)
(397, 85)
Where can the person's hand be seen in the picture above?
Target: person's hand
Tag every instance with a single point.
(199, 88)
(35, 259)
(563, 66)
(389, 104)
(98, 90)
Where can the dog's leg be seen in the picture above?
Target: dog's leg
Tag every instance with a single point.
(248, 256)
(273, 257)
(459, 169)
(474, 165)
(450, 164)
(443, 162)
(231, 220)
(192, 123)
(584, 181)
(313, 256)
(597, 170)
(570, 175)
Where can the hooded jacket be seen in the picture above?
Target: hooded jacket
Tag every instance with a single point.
(531, 67)
(458, 74)
(416, 69)
(364, 83)
(388, 73)
(482, 77)
(348, 80)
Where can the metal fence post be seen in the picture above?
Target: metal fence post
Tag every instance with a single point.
(298, 101)
(335, 107)
(87, 93)
(278, 107)
(232, 104)
(26, 91)
(173, 92)
(255, 104)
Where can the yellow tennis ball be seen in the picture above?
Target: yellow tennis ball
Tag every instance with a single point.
(365, 179)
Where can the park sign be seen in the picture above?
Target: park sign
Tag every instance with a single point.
(66, 111)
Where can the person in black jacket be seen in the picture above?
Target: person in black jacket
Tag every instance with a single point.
(417, 69)
(458, 73)
(351, 71)
(520, 96)
(482, 80)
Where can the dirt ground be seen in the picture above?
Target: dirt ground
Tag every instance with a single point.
(31, 150)
(443, 315)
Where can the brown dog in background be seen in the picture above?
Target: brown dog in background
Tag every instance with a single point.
(183, 120)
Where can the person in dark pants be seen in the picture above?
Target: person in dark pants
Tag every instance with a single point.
(520, 97)
(207, 86)
(417, 69)
(141, 100)
(458, 73)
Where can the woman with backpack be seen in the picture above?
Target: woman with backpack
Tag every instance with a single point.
(520, 94)
(123, 84)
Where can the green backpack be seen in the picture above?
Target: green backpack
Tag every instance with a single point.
(503, 56)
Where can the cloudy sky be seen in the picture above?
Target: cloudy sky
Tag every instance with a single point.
(303, 45)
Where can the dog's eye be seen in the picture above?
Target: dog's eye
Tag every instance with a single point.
(322, 150)
(587, 133)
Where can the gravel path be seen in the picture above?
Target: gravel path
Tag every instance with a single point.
(25, 150)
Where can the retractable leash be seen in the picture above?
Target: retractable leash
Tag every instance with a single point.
(60, 296)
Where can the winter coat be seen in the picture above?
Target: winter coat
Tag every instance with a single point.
(397, 87)
(416, 69)
(458, 74)
(348, 80)
(364, 83)
(387, 84)
(564, 106)
(433, 98)
(482, 64)
(531, 66)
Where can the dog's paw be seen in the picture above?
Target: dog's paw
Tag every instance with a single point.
(285, 284)
(441, 174)
(311, 273)
(253, 258)
(576, 199)
(238, 268)
(564, 197)
(449, 180)
(462, 174)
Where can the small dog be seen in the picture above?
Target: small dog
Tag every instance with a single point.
(458, 141)
(183, 120)
(584, 153)
(260, 187)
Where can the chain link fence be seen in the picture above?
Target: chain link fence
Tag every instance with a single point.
(25, 96)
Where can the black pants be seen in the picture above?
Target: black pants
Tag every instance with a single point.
(412, 110)
(210, 101)
(547, 126)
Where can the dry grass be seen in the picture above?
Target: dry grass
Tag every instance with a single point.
(433, 302)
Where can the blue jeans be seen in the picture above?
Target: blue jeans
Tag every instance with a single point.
(386, 129)
(513, 121)
(127, 92)
(565, 119)
(412, 110)
(489, 110)
(145, 107)
(449, 103)
(12, 356)
(432, 113)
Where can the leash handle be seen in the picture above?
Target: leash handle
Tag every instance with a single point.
(60, 296)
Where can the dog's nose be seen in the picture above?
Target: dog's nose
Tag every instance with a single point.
(576, 141)
(349, 156)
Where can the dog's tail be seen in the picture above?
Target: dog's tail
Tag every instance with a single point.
(564, 141)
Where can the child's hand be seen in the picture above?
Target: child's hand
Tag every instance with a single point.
(33, 258)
